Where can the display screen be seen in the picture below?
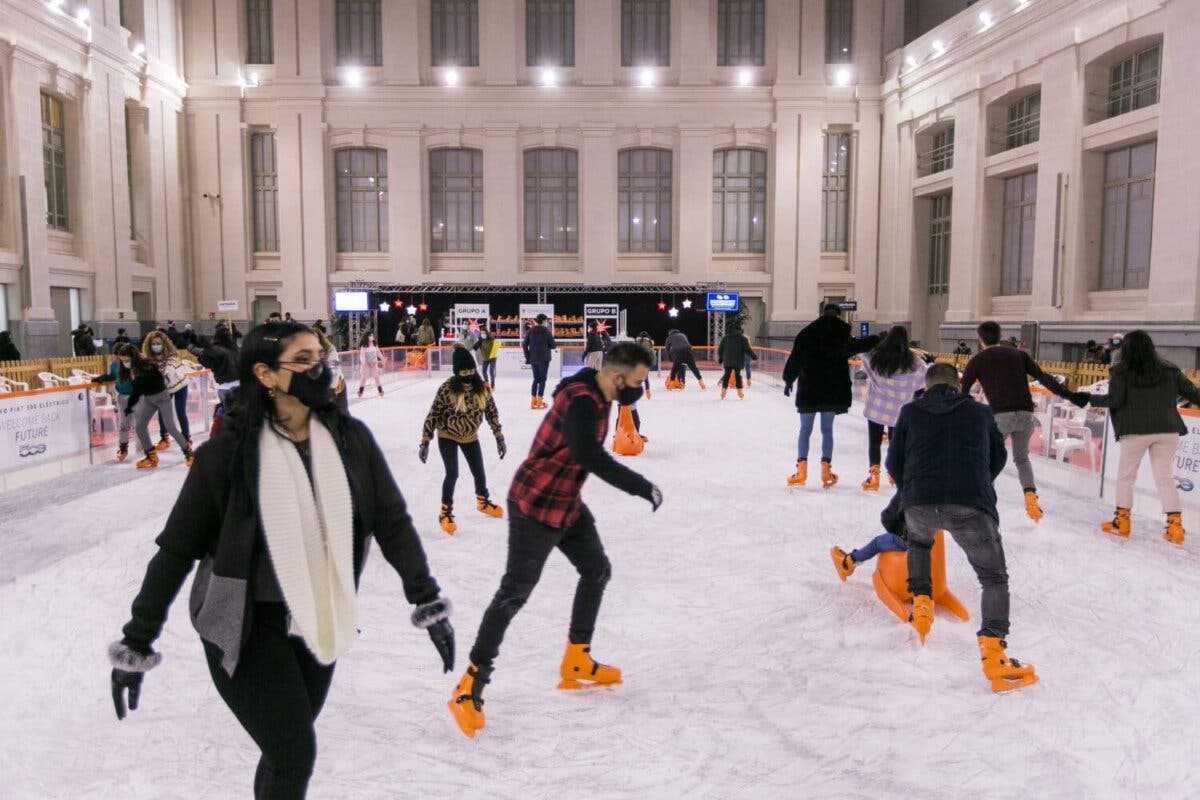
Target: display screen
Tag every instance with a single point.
(350, 301)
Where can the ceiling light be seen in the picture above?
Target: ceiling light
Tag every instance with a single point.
(939, 47)
(451, 77)
(138, 48)
(81, 16)
(986, 19)
(549, 78)
(911, 61)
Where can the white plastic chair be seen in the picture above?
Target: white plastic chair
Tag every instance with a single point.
(9, 385)
(79, 373)
(1074, 437)
(78, 380)
(50, 380)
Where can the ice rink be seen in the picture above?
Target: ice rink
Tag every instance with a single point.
(750, 670)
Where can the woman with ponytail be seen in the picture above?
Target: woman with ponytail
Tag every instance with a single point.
(279, 510)
(895, 372)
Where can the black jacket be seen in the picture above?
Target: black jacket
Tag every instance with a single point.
(735, 350)
(946, 450)
(539, 341)
(147, 382)
(9, 352)
(1147, 409)
(597, 343)
(215, 521)
(818, 364)
(222, 361)
(83, 343)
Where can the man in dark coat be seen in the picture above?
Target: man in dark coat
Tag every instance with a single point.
(539, 345)
(83, 341)
(734, 354)
(818, 364)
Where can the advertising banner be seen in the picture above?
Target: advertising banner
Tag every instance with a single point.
(43, 428)
(723, 301)
(1185, 468)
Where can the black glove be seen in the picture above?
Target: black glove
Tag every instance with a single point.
(655, 497)
(1080, 399)
(129, 666)
(501, 447)
(434, 617)
(423, 451)
(787, 390)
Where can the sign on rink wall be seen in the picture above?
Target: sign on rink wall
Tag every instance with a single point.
(1185, 467)
(41, 428)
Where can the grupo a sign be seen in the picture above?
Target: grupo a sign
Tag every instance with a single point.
(472, 310)
(42, 428)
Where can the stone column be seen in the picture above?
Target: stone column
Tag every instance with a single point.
(499, 50)
(806, 183)
(502, 200)
(107, 192)
(812, 32)
(597, 41)
(301, 159)
(864, 205)
(784, 294)
(598, 203)
(694, 245)
(697, 56)
(401, 42)
(967, 292)
(406, 188)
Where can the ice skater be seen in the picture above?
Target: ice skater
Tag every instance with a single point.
(597, 344)
(539, 347)
(678, 351)
(944, 456)
(1004, 373)
(489, 349)
(643, 340)
(150, 397)
(159, 349)
(459, 408)
(895, 372)
(370, 363)
(734, 353)
(892, 540)
(120, 375)
(280, 510)
(819, 365)
(546, 511)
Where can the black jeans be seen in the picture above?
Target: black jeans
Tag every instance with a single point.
(979, 537)
(489, 369)
(474, 455)
(731, 375)
(180, 399)
(540, 371)
(875, 442)
(682, 363)
(529, 545)
(276, 693)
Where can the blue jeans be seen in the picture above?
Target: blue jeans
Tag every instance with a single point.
(540, 373)
(180, 399)
(883, 543)
(806, 429)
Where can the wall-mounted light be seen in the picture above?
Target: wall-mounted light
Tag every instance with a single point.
(253, 79)
(985, 19)
(451, 77)
(549, 78)
(82, 15)
(138, 49)
(745, 78)
(55, 5)
(939, 46)
(647, 78)
(352, 77)
(842, 77)
(911, 61)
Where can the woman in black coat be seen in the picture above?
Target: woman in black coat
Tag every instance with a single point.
(8, 350)
(818, 364)
(279, 510)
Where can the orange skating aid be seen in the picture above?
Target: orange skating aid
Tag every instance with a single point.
(800, 477)
(871, 484)
(1119, 525)
(827, 477)
(626, 441)
(466, 702)
(1004, 673)
(842, 562)
(891, 581)
(580, 671)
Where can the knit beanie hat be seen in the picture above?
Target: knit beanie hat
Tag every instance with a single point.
(462, 360)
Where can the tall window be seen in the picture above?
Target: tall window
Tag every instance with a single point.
(835, 194)
(360, 33)
(740, 31)
(454, 27)
(1016, 242)
(1024, 121)
(259, 42)
(456, 201)
(941, 156)
(740, 201)
(551, 201)
(644, 201)
(839, 31)
(1128, 217)
(645, 33)
(362, 200)
(1133, 83)
(264, 186)
(939, 244)
(54, 162)
(550, 33)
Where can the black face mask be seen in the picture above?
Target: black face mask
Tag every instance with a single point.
(313, 390)
(628, 395)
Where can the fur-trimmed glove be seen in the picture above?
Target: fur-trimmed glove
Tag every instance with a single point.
(128, 668)
(434, 617)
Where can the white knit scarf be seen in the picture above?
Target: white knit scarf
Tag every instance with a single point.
(309, 529)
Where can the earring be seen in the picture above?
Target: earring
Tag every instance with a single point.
(271, 394)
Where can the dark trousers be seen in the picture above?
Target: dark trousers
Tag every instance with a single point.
(979, 536)
(180, 399)
(683, 362)
(529, 545)
(875, 441)
(731, 374)
(540, 371)
(474, 455)
(489, 371)
(276, 693)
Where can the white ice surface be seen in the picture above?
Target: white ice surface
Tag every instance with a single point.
(750, 671)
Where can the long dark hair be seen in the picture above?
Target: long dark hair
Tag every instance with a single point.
(130, 352)
(1140, 360)
(893, 355)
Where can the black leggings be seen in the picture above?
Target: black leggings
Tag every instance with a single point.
(683, 362)
(474, 455)
(875, 442)
(731, 374)
(529, 545)
(180, 399)
(489, 368)
(540, 371)
(276, 693)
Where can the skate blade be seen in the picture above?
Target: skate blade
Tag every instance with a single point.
(1002, 685)
(462, 718)
(573, 684)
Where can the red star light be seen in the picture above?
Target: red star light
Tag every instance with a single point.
(601, 326)
(662, 306)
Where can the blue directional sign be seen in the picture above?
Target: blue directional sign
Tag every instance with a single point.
(864, 330)
(723, 301)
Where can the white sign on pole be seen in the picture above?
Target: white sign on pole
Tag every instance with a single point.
(531, 310)
(43, 428)
(601, 310)
(227, 306)
(1185, 468)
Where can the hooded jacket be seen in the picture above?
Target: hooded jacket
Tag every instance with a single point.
(946, 450)
(818, 363)
(735, 350)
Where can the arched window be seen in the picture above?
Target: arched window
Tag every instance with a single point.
(644, 200)
(740, 201)
(551, 201)
(456, 201)
(360, 177)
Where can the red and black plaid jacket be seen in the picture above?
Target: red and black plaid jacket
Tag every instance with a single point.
(548, 483)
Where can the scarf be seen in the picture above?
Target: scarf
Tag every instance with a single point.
(309, 530)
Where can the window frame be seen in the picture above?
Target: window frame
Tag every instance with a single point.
(940, 230)
(1125, 186)
(836, 188)
(441, 193)
(941, 150)
(755, 190)
(538, 198)
(264, 192)
(350, 47)
(55, 163)
(260, 36)
(839, 30)
(446, 47)
(636, 197)
(350, 196)
(1023, 121)
(735, 48)
(1018, 234)
(1125, 90)
(540, 26)
(645, 33)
